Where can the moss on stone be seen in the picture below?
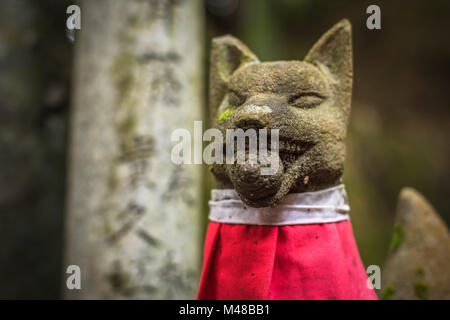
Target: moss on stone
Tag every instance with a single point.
(388, 292)
(122, 74)
(421, 290)
(222, 63)
(338, 58)
(225, 116)
(127, 125)
(420, 271)
(112, 180)
(398, 236)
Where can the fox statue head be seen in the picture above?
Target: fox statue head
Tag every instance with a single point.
(307, 101)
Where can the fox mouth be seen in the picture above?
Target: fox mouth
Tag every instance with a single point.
(288, 150)
(245, 171)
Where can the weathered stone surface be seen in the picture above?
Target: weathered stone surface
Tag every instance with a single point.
(417, 267)
(308, 101)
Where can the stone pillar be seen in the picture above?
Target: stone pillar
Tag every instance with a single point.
(133, 221)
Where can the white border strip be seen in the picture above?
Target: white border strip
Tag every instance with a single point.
(324, 206)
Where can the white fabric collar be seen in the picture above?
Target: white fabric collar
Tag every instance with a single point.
(323, 206)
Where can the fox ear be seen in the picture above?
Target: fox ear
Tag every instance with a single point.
(332, 53)
(227, 55)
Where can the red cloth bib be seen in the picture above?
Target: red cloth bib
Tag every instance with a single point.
(309, 261)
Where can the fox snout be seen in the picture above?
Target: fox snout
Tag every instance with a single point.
(256, 113)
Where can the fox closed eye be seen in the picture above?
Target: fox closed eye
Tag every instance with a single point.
(235, 99)
(306, 100)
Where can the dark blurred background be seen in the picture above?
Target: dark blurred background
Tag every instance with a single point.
(398, 133)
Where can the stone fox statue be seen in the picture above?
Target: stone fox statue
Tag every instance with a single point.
(286, 235)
